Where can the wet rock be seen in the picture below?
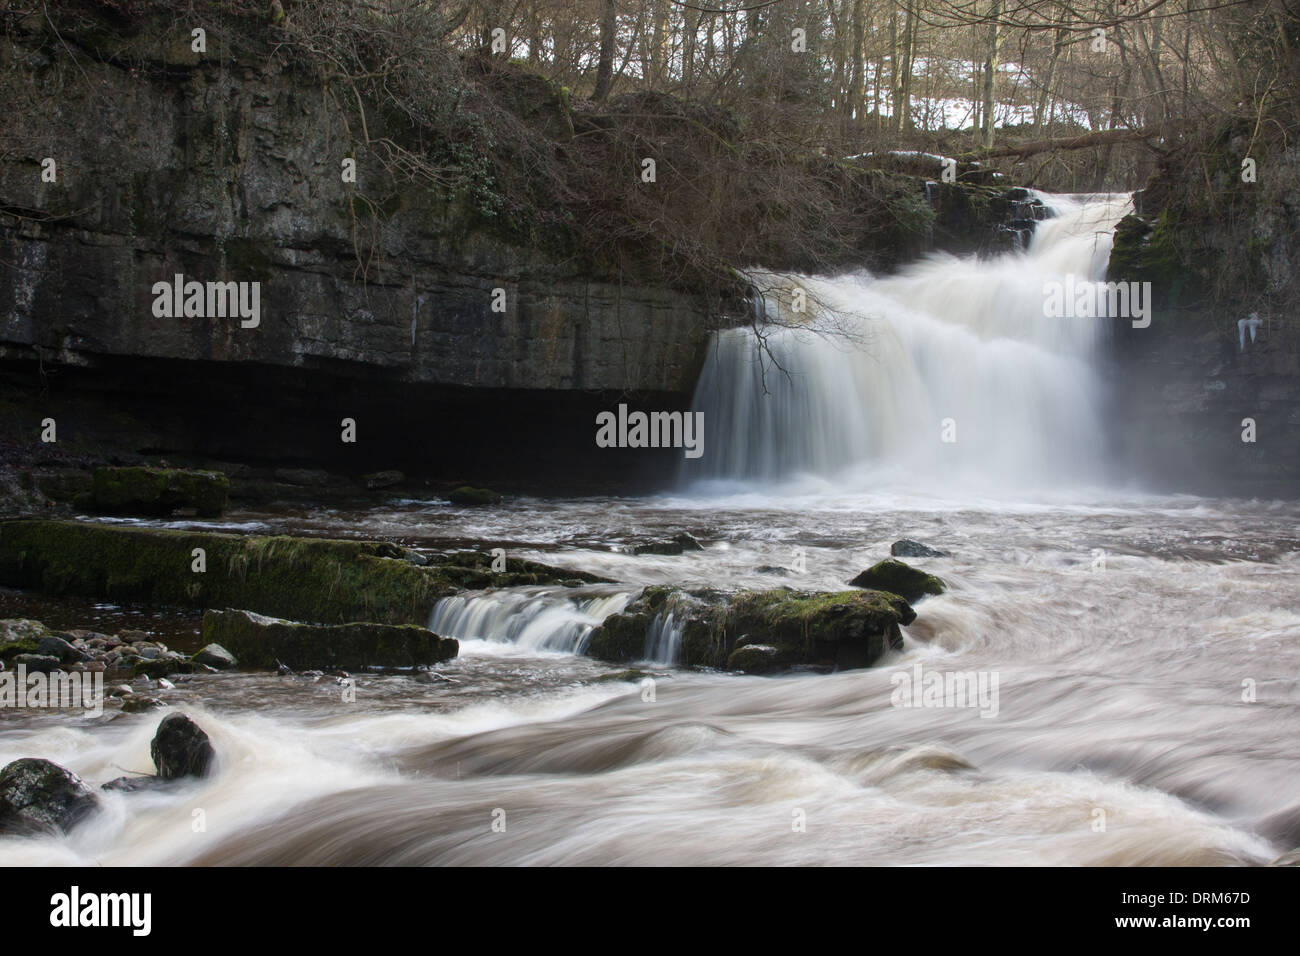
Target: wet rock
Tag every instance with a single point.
(679, 543)
(163, 666)
(37, 796)
(466, 495)
(771, 569)
(66, 652)
(907, 582)
(266, 643)
(305, 477)
(755, 659)
(158, 492)
(214, 655)
(135, 784)
(821, 630)
(907, 548)
(180, 748)
(139, 703)
(382, 479)
(37, 663)
(121, 690)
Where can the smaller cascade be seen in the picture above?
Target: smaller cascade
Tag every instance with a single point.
(538, 619)
(663, 640)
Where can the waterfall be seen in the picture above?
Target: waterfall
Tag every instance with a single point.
(947, 371)
(663, 640)
(538, 619)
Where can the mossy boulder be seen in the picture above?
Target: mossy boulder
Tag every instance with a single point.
(303, 579)
(20, 636)
(157, 492)
(259, 642)
(760, 631)
(466, 495)
(908, 582)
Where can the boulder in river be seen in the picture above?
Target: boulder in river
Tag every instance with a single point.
(180, 748)
(263, 643)
(465, 495)
(157, 492)
(382, 479)
(20, 636)
(679, 543)
(214, 655)
(819, 630)
(37, 796)
(909, 583)
(907, 548)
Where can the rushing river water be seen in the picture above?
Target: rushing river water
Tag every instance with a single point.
(1144, 652)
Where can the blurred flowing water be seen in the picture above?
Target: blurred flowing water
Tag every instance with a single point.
(1146, 648)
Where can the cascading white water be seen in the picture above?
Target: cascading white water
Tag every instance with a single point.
(663, 641)
(947, 371)
(536, 619)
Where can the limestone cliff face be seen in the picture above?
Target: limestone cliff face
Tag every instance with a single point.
(1195, 408)
(222, 171)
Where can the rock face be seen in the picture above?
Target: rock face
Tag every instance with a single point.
(37, 796)
(760, 631)
(180, 748)
(898, 578)
(308, 579)
(158, 491)
(262, 642)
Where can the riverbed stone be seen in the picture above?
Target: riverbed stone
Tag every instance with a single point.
(907, 548)
(38, 796)
(180, 748)
(908, 582)
(214, 655)
(158, 492)
(265, 643)
(466, 495)
(820, 630)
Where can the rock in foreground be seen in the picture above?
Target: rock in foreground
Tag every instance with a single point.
(259, 642)
(759, 631)
(910, 583)
(37, 796)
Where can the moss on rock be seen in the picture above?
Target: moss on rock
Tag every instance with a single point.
(259, 642)
(821, 630)
(893, 576)
(303, 579)
(158, 491)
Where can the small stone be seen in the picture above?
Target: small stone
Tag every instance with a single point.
(139, 703)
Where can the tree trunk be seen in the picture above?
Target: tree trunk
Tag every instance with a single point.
(605, 66)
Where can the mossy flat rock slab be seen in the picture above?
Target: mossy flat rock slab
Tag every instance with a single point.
(760, 631)
(260, 642)
(157, 492)
(301, 579)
